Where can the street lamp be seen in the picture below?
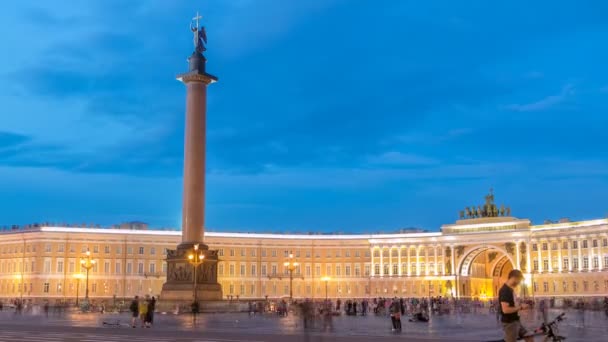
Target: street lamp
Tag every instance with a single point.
(196, 258)
(78, 277)
(87, 263)
(326, 280)
(291, 266)
(526, 282)
(19, 277)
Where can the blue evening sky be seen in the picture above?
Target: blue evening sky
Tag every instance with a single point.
(330, 115)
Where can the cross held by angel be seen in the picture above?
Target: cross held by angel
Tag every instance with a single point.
(200, 35)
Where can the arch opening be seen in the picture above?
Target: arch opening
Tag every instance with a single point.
(483, 270)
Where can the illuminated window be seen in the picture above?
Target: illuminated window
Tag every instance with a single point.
(596, 262)
(585, 263)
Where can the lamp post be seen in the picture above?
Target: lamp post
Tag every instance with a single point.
(87, 263)
(78, 276)
(196, 258)
(291, 266)
(19, 277)
(326, 280)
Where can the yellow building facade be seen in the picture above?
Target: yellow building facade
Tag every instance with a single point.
(469, 258)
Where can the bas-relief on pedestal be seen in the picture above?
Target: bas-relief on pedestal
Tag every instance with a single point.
(180, 282)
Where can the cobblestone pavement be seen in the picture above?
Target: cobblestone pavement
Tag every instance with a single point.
(480, 326)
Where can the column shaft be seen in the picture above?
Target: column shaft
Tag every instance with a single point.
(193, 206)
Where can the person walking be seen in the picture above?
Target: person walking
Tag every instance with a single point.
(150, 315)
(511, 324)
(542, 310)
(143, 312)
(395, 313)
(134, 308)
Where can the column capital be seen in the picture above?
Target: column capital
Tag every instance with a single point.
(195, 76)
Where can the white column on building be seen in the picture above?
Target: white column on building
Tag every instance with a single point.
(600, 256)
(390, 261)
(528, 256)
(409, 265)
(453, 256)
(580, 254)
(539, 247)
(560, 261)
(372, 268)
(436, 261)
(517, 266)
(399, 268)
(417, 259)
(569, 255)
(590, 253)
(442, 250)
(549, 245)
(381, 261)
(427, 260)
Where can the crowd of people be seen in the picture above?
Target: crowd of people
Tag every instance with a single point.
(323, 311)
(142, 311)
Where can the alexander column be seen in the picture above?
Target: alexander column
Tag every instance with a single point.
(187, 281)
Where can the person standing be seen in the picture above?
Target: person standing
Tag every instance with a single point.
(143, 312)
(134, 308)
(511, 324)
(151, 308)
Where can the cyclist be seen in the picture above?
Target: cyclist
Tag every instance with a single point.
(511, 325)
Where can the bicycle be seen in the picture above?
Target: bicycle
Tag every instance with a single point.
(549, 330)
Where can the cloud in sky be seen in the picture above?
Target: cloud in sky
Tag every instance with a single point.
(324, 108)
(546, 102)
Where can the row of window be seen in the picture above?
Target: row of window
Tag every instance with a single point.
(421, 252)
(575, 265)
(60, 248)
(27, 267)
(574, 243)
(46, 287)
(566, 288)
(276, 289)
(413, 268)
(272, 270)
(297, 254)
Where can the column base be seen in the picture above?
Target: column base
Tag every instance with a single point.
(179, 287)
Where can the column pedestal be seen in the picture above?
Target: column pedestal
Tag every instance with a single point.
(179, 288)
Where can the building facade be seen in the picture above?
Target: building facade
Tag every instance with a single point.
(467, 259)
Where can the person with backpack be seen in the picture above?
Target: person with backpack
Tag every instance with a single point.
(134, 308)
